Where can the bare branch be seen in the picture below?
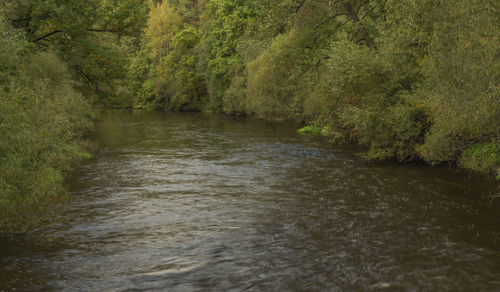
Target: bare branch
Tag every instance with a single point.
(330, 18)
(300, 6)
(354, 17)
(367, 12)
(47, 35)
(361, 5)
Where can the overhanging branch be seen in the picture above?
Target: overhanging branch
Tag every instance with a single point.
(48, 35)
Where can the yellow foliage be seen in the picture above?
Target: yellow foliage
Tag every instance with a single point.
(163, 24)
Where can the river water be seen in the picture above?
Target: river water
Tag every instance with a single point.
(192, 202)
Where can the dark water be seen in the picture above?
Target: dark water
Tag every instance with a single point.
(185, 202)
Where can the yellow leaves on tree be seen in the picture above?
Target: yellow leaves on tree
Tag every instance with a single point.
(163, 24)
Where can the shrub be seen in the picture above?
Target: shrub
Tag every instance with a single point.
(41, 119)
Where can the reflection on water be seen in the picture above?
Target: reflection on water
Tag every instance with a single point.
(183, 202)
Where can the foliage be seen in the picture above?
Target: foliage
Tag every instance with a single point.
(482, 157)
(42, 117)
(410, 80)
(311, 130)
(223, 31)
(58, 58)
(85, 35)
(179, 84)
(461, 72)
(407, 79)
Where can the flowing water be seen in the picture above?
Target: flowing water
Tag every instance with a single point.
(192, 202)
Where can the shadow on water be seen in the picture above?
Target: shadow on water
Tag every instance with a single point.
(184, 202)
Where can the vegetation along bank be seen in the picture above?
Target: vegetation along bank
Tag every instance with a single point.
(59, 61)
(409, 80)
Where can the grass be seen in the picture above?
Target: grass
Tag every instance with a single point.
(482, 157)
(312, 130)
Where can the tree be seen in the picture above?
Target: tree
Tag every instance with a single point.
(84, 34)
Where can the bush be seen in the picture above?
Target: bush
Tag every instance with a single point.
(461, 72)
(482, 157)
(41, 119)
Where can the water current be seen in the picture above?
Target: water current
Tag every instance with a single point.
(193, 202)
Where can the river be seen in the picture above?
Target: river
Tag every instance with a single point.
(193, 202)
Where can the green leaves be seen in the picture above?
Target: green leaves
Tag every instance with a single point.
(484, 157)
(406, 79)
(85, 34)
(41, 118)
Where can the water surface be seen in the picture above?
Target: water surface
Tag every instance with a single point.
(190, 202)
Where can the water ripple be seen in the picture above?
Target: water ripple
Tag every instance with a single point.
(183, 202)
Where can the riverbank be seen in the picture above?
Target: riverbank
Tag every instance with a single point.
(60, 60)
(43, 123)
(483, 159)
(365, 72)
(479, 159)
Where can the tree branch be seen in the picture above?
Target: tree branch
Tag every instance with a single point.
(361, 28)
(330, 18)
(47, 35)
(368, 12)
(361, 5)
(89, 81)
(300, 6)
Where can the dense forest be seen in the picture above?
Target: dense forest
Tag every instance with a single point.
(407, 80)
